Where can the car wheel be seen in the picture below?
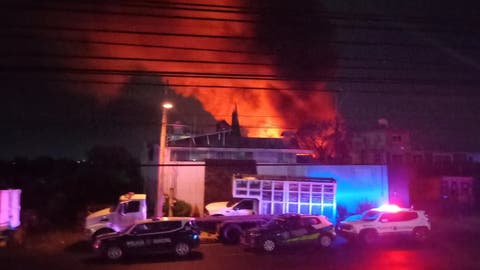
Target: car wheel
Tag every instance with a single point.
(420, 234)
(231, 234)
(114, 252)
(269, 245)
(325, 241)
(369, 237)
(182, 249)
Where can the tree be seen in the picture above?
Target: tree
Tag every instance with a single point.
(326, 138)
(107, 172)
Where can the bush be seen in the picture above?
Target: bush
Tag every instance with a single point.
(180, 208)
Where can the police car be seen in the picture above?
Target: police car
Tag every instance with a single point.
(386, 221)
(289, 230)
(173, 234)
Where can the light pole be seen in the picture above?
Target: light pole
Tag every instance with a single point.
(161, 159)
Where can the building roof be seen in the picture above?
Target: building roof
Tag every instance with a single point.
(226, 140)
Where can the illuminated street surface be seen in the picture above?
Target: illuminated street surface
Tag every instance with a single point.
(458, 253)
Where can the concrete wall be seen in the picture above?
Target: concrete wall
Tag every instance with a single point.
(188, 183)
(355, 183)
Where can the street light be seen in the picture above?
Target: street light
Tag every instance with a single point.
(161, 159)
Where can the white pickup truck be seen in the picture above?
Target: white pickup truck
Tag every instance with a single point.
(9, 213)
(131, 207)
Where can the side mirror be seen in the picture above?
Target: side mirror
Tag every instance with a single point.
(383, 220)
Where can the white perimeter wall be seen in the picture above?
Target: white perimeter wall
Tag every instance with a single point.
(188, 183)
(355, 183)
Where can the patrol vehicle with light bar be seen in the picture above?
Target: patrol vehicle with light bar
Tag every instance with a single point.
(386, 221)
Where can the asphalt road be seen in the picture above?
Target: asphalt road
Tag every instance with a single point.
(442, 252)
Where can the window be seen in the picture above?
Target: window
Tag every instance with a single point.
(408, 216)
(142, 228)
(311, 221)
(248, 204)
(166, 226)
(390, 217)
(180, 155)
(400, 216)
(130, 207)
(396, 138)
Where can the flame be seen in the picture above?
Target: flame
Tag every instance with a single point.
(266, 107)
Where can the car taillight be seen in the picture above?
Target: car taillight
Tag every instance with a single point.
(96, 244)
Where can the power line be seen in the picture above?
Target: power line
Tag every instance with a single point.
(409, 92)
(228, 37)
(131, 14)
(235, 76)
(181, 48)
(190, 6)
(191, 61)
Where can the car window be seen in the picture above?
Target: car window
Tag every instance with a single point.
(400, 216)
(311, 221)
(370, 215)
(245, 205)
(405, 216)
(165, 226)
(293, 223)
(142, 228)
(389, 217)
(132, 207)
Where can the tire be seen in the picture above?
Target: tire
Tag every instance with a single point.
(182, 249)
(231, 234)
(368, 237)
(325, 241)
(420, 235)
(268, 245)
(114, 252)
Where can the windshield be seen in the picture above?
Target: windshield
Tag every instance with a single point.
(370, 215)
(274, 223)
(232, 202)
(126, 229)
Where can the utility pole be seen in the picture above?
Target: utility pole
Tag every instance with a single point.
(161, 160)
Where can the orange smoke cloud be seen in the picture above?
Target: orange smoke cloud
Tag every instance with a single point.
(265, 110)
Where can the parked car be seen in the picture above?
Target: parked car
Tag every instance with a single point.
(234, 207)
(388, 220)
(166, 235)
(289, 230)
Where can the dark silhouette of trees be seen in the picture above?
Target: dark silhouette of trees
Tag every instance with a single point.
(58, 192)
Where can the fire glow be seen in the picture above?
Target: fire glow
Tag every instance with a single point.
(267, 104)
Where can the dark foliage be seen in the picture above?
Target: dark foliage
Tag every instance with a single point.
(58, 192)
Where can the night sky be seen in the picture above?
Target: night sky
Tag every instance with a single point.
(68, 83)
